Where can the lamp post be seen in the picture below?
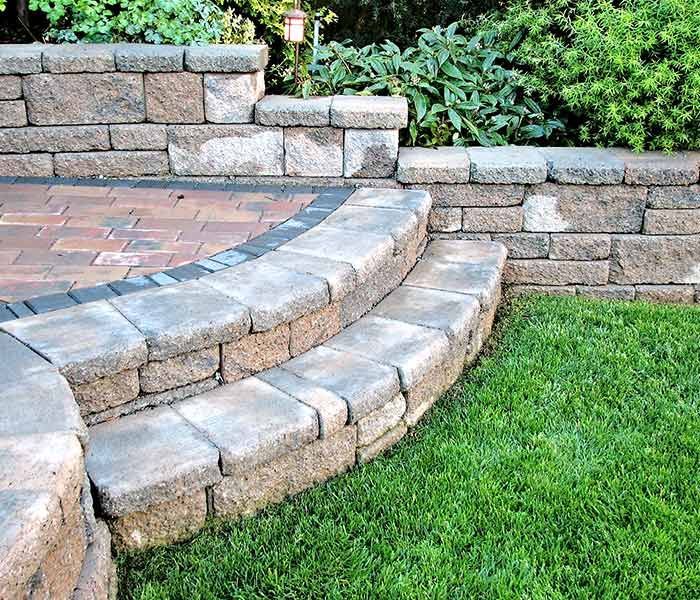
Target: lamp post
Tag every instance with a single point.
(294, 22)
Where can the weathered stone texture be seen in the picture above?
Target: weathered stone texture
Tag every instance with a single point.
(138, 137)
(314, 329)
(107, 392)
(285, 476)
(10, 87)
(145, 58)
(232, 98)
(606, 292)
(475, 194)
(157, 376)
(160, 524)
(496, 220)
(26, 165)
(174, 97)
(78, 58)
(676, 294)
(672, 222)
(550, 272)
(586, 166)
(20, 59)
(508, 164)
(370, 152)
(445, 219)
(524, 245)
(367, 453)
(13, 113)
(674, 197)
(377, 423)
(313, 152)
(656, 168)
(584, 209)
(115, 163)
(254, 353)
(104, 98)
(580, 246)
(226, 150)
(542, 290)
(289, 111)
(433, 165)
(369, 112)
(642, 259)
(223, 58)
(98, 578)
(55, 139)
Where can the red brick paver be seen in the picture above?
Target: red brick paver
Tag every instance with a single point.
(61, 237)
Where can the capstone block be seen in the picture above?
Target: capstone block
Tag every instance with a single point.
(289, 111)
(585, 166)
(657, 168)
(433, 165)
(78, 58)
(20, 59)
(508, 164)
(223, 58)
(149, 58)
(369, 112)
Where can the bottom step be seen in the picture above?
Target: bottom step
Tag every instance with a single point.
(230, 451)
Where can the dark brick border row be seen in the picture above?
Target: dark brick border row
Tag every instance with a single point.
(329, 200)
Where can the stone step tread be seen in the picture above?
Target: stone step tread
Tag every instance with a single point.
(151, 457)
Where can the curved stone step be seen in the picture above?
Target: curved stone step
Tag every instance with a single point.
(232, 450)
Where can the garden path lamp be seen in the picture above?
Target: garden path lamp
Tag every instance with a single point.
(294, 22)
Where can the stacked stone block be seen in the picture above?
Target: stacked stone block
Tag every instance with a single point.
(601, 223)
(133, 110)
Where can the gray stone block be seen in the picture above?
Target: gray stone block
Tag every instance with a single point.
(402, 226)
(331, 409)
(250, 422)
(159, 376)
(454, 314)
(412, 349)
(364, 384)
(104, 98)
(149, 58)
(148, 458)
(38, 402)
(182, 318)
(672, 222)
(445, 220)
(417, 201)
(606, 292)
(138, 137)
(226, 58)
(657, 168)
(508, 164)
(20, 59)
(85, 342)
(313, 152)
(674, 197)
(10, 87)
(78, 58)
(50, 302)
(608, 209)
(489, 254)
(580, 246)
(556, 272)
(475, 194)
(367, 253)
(232, 98)
(286, 475)
(26, 165)
(13, 113)
(369, 112)
(98, 577)
(115, 163)
(644, 259)
(174, 97)
(675, 294)
(55, 139)
(587, 166)
(433, 165)
(371, 152)
(19, 363)
(383, 419)
(226, 150)
(492, 220)
(272, 294)
(524, 245)
(340, 276)
(289, 111)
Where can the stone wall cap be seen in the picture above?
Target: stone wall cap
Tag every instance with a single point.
(20, 59)
(591, 166)
(657, 168)
(290, 111)
(507, 164)
(369, 112)
(149, 58)
(78, 58)
(226, 58)
(447, 164)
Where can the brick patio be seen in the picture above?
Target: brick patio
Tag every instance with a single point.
(56, 238)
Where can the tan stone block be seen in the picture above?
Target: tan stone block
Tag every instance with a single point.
(367, 453)
(255, 352)
(289, 474)
(174, 97)
(673, 294)
(378, 422)
(158, 376)
(160, 524)
(107, 392)
(314, 329)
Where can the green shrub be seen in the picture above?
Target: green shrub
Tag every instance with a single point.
(154, 21)
(623, 72)
(461, 91)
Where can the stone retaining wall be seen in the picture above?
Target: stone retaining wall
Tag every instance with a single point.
(134, 110)
(600, 223)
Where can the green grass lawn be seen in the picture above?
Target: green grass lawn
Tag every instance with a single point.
(565, 465)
